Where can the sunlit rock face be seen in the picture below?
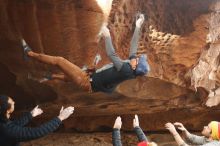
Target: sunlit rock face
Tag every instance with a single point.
(178, 36)
(205, 73)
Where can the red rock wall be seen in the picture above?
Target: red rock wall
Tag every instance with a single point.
(174, 37)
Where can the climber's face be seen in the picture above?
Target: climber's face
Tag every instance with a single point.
(206, 130)
(134, 63)
(11, 104)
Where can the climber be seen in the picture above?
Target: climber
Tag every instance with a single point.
(13, 132)
(106, 78)
(211, 134)
(116, 137)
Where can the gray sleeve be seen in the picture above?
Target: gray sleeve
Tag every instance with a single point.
(112, 54)
(134, 42)
(116, 137)
(196, 139)
(140, 134)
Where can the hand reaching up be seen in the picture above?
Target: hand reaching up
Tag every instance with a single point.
(171, 128)
(180, 126)
(65, 113)
(135, 121)
(36, 111)
(118, 123)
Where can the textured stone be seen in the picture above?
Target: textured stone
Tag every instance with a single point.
(204, 73)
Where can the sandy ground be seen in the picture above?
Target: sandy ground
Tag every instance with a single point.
(96, 139)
